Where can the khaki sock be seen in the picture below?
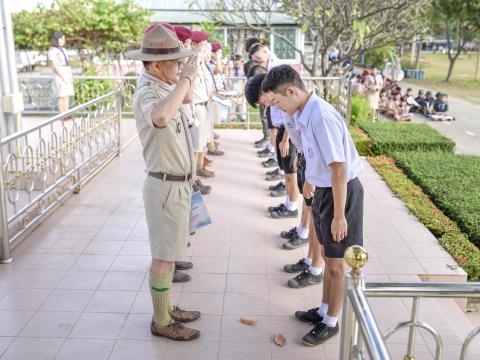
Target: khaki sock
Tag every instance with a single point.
(170, 306)
(160, 285)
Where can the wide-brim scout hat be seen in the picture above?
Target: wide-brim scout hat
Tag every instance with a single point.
(159, 43)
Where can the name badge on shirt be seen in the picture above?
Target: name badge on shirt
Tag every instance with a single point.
(291, 124)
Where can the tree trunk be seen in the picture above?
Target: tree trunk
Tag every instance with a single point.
(417, 58)
(413, 51)
(450, 68)
(477, 65)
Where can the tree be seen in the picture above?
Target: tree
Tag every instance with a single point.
(102, 26)
(353, 27)
(461, 24)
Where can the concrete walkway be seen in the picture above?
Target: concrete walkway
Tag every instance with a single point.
(465, 131)
(77, 288)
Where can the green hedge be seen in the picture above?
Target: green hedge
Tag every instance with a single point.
(360, 110)
(453, 183)
(448, 233)
(390, 137)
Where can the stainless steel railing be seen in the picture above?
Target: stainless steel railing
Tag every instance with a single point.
(43, 165)
(40, 98)
(361, 336)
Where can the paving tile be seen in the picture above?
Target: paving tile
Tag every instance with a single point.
(235, 331)
(103, 247)
(196, 350)
(12, 322)
(85, 349)
(81, 280)
(5, 343)
(209, 265)
(131, 263)
(206, 283)
(24, 299)
(54, 324)
(67, 300)
(145, 350)
(122, 280)
(245, 304)
(111, 301)
(238, 283)
(98, 326)
(244, 350)
(206, 303)
(33, 348)
(94, 262)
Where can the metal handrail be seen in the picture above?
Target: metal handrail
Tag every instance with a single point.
(358, 316)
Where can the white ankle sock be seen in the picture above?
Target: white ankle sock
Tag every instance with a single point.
(292, 205)
(322, 310)
(330, 321)
(307, 261)
(287, 201)
(281, 172)
(269, 147)
(315, 271)
(302, 232)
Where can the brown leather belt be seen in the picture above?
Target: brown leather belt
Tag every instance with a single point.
(169, 177)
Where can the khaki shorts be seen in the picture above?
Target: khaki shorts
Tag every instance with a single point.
(167, 210)
(205, 126)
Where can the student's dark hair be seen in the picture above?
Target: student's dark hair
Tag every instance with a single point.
(279, 77)
(255, 70)
(251, 41)
(57, 35)
(409, 89)
(146, 64)
(254, 49)
(253, 89)
(248, 65)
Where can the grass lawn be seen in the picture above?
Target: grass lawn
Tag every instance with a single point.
(462, 84)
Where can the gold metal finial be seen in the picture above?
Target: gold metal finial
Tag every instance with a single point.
(356, 256)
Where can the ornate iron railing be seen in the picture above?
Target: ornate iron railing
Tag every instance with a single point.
(39, 94)
(43, 165)
(361, 336)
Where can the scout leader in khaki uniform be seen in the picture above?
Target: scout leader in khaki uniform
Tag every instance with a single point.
(168, 154)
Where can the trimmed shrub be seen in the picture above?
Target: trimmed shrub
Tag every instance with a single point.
(361, 111)
(447, 231)
(362, 141)
(390, 137)
(453, 183)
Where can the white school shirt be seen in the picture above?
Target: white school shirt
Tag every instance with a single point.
(325, 139)
(277, 116)
(274, 61)
(293, 132)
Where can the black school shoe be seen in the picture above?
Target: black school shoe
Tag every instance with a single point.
(261, 144)
(297, 267)
(280, 185)
(276, 176)
(264, 153)
(270, 163)
(183, 265)
(295, 242)
(319, 334)
(278, 192)
(260, 140)
(180, 277)
(289, 234)
(304, 279)
(284, 213)
(272, 172)
(276, 208)
(309, 316)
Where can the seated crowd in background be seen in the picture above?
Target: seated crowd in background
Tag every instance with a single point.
(398, 106)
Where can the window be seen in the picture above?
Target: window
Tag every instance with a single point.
(280, 47)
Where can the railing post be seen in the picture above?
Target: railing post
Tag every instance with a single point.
(118, 102)
(355, 256)
(5, 257)
(411, 335)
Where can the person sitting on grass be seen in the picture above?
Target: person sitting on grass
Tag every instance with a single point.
(383, 102)
(440, 109)
(393, 104)
(429, 101)
(420, 99)
(402, 113)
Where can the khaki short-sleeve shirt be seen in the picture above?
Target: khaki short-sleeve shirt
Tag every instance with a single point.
(166, 149)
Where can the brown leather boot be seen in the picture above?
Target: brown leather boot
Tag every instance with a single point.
(175, 331)
(185, 316)
(205, 173)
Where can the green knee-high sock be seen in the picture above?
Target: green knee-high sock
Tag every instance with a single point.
(170, 306)
(160, 285)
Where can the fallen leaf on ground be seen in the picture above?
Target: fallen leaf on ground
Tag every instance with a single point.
(280, 340)
(247, 321)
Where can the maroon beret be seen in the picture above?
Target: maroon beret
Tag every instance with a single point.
(198, 36)
(183, 33)
(216, 46)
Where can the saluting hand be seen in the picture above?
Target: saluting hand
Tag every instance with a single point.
(190, 70)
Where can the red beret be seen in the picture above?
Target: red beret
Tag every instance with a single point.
(183, 33)
(198, 36)
(216, 46)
